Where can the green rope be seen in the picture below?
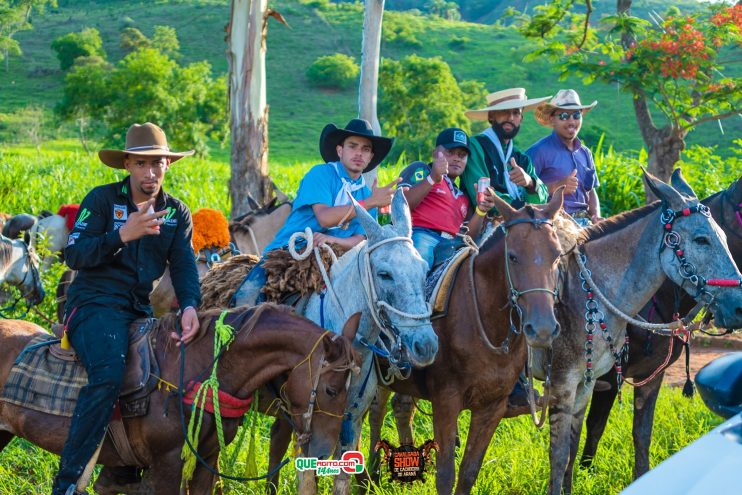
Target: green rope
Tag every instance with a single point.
(223, 337)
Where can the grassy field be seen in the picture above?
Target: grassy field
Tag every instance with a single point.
(516, 462)
(486, 53)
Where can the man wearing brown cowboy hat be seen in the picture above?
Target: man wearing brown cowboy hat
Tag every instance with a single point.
(560, 159)
(124, 236)
(494, 154)
(323, 200)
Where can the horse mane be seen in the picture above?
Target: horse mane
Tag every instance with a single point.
(617, 222)
(6, 253)
(241, 223)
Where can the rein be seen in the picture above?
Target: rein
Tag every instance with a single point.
(513, 296)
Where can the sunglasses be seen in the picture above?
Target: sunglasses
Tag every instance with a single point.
(565, 115)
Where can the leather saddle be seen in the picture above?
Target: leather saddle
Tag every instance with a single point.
(441, 281)
(142, 370)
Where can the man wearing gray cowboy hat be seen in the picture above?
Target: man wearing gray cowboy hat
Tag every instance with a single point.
(323, 200)
(494, 155)
(124, 236)
(560, 159)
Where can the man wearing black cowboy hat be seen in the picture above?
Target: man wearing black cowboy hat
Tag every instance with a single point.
(323, 200)
(124, 236)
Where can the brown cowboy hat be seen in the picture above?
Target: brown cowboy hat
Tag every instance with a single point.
(332, 136)
(143, 140)
(565, 99)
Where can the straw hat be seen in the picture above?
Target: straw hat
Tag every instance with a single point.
(142, 140)
(507, 99)
(565, 99)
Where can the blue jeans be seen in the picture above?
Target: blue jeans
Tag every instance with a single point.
(250, 292)
(100, 337)
(425, 241)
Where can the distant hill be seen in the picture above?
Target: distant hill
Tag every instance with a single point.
(488, 53)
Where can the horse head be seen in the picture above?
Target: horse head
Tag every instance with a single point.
(693, 250)
(532, 256)
(19, 266)
(317, 397)
(393, 276)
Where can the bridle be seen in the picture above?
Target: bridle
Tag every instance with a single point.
(32, 270)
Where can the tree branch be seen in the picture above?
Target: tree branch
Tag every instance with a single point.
(589, 5)
(720, 116)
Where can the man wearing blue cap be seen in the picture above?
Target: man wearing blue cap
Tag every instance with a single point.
(439, 207)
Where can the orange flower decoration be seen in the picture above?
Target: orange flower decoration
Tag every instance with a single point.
(210, 229)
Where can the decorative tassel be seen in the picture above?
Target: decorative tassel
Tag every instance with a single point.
(346, 431)
(688, 388)
(251, 465)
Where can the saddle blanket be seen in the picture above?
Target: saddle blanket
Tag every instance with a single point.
(43, 382)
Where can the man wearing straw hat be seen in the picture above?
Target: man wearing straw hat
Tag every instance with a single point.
(124, 236)
(494, 154)
(560, 159)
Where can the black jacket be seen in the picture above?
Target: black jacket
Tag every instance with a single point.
(112, 273)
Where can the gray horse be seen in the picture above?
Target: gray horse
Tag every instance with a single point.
(627, 258)
(19, 266)
(384, 279)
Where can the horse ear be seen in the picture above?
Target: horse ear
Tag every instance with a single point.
(351, 326)
(401, 216)
(663, 191)
(17, 224)
(678, 182)
(252, 203)
(369, 223)
(507, 211)
(555, 203)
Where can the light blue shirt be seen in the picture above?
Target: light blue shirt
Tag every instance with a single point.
(328, 184)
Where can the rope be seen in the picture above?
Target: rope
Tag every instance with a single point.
(253, 239)
(652, 327)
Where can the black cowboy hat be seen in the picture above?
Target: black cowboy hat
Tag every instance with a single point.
(332, 136)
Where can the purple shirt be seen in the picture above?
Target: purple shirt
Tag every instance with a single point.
(553, 162)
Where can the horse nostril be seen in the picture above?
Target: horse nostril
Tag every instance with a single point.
(528, 329)
(557, 329)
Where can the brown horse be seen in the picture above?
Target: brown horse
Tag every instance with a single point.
(651, 354)
(269, 343)
(481, 350)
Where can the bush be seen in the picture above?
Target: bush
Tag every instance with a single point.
(459, 42)
(334, 71)
(86, 43)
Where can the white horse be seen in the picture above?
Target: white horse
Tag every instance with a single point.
(384, 279)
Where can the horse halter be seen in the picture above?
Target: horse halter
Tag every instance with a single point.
(687, 270)
(380, 310)
(36, 287)
(513, 293)
(212, 256)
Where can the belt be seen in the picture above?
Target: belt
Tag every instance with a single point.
(581, 214)
(445, 235)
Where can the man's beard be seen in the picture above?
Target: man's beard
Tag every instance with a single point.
(502, 133)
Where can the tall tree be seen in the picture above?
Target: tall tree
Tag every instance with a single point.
(248, 107)
(370, 56)
(673, 67)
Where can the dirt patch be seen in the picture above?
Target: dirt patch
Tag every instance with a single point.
(703, 350)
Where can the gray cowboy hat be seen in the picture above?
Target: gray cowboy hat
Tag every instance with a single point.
(143, 140)
(332, 136)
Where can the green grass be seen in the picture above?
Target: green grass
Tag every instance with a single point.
(492, 55)
(516, 462)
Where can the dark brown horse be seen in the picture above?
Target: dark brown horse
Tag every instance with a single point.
(651, 354)
(270, 343)
(473, 369)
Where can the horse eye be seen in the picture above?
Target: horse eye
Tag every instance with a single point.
(513, 258)
(702, 240)
(384, 275)
(331, 392)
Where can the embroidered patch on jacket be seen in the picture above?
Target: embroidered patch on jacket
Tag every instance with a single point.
(119, 212)
(170, 219)
(117, 225)
(81, 222)
(72, 237)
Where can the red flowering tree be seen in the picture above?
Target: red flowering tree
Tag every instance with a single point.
(674, 65)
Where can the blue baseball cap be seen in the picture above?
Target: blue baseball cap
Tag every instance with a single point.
(453, 137)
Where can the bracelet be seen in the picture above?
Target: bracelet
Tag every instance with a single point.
(480, 212)
(430, 180)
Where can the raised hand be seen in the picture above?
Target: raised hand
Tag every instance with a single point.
(571, 183)
(142, 222)
(440, 165)
(519, 176)
(381, 196)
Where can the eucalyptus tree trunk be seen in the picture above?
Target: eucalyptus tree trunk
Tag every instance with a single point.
(247, 104)
(369, 85)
